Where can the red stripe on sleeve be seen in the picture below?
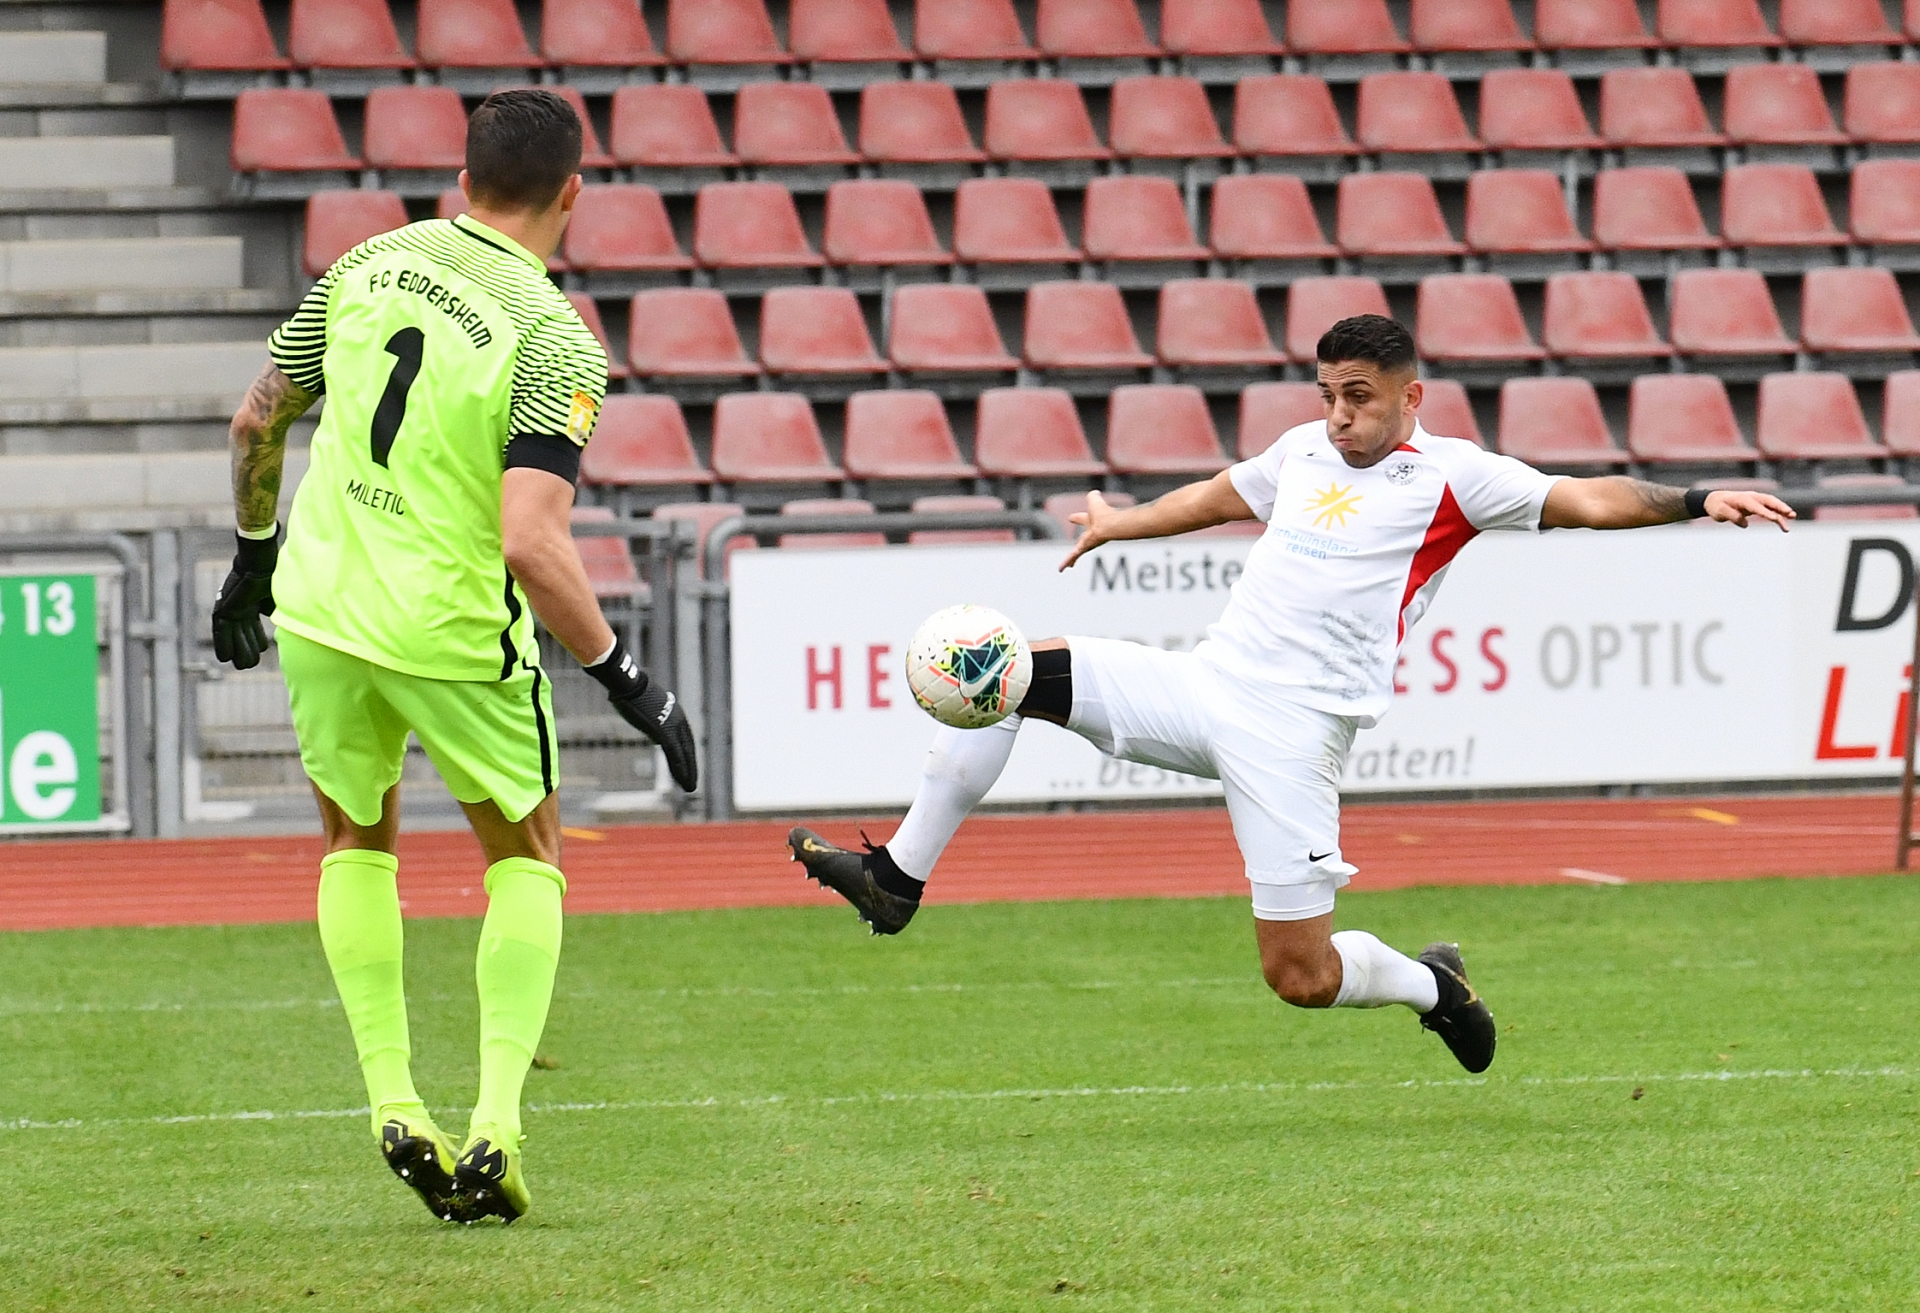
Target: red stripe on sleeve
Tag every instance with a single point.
(1447, 533)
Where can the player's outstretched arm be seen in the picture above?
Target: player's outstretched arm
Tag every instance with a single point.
(1196, 506)
(1617, 502)
(258, 436)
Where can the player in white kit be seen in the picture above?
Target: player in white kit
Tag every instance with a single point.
(1364, 512)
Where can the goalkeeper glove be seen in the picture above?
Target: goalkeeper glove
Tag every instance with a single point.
(651, 709)
(238, 636)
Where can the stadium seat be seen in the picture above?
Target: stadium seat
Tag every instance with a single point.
(1555, 422)
(1342, 28)
(1588, 34)
(902, 433)
(704, 517)
(816, 331)
(1043, 124)
(287, 131)
(1855, 310)
(1080, 326)
(1209, 34)
(1655, 116)
(1446, 412)
(950, 504)
(479, 34)
(608, 560)
(665, 132)
(1884, 210)
(1165, 119)
(621, 229)
(1537, 109)
(789, 123)
(1775, 106)
(1008, 221)
(579, 35)
(1269, 409)
(741, 225)
(912, 129)
(416, 131)
(1599, 316)
(1714, 34)
(685, 332)
(641, 441)
(956, 33)
(1094, 35)
(1032, 433)
(1766, 206)
(1650, 209)
(1817, 23)
(769, 437)
(1522, 213)
(1290, 118)
(217, 36)
(1813, 417)
(722, 33)
(1062, 506)
(589, 312)
(1864, 510)
(1316, 304)
(1900, 413)
(1391, 214)
(1911, 22)
(1683, 419)
(338, 221)
(876, 222)
(1725, 312)
(1264, 217)
(1161, 428)
(1213, 323)
(843, 32)
(1472, 319)
(1483, 30)
(1415, 114)
(1138, 224)
(830, 506)
(338, 35)
(945, 328)
(1883, 105)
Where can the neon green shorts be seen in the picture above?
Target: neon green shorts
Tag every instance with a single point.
(488, 740)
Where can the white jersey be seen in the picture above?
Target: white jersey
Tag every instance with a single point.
(1351, 559)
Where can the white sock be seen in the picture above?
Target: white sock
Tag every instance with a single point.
(961, 766)
(1373, 975)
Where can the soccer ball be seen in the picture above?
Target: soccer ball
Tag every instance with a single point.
(968, 667)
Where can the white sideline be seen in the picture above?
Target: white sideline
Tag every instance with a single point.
(968, 1096)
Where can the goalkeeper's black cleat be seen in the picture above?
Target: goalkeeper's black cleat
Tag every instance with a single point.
(1461, 1020)
(489, 1177)
(650, 707)
(860, 878)
(421, 1156)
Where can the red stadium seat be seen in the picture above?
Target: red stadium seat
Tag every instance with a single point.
(1445, 411)
(1472, 318)
(1779, 104)
(749, 224)
(1555, 422)
(1132, 218)
(1032, 433)
(1092, 29)
(1269, 409)
(1392, 214)
(589, 312)
(1867, 510)
(1648, 210)
(875, 221)
(685, 332)
(1161, 428)
(596, 34)
(608, 560)
(1451, 26)
(1599, 316)
(945, 328)
(1213, 322)
(1008, 221)
(416, 128)
(641, 441)
(1654, 108)
(217, 36)
(769, 437)
(338, 221)
(622, 227)
(1316, 304)
(1725, 312)
(1765, 205)
(1533, 109)
(1900, 413)
(1714, 24)
(1043, 120)
(816, 330)
(1813, 417)
(667, 126)
(1884, 204)
(830, 506)
(1883, 103)
(844, 31)
(1216, 27)
(915, 123)
(472, 34)
(1835, 23)
(1911, 23)
(288, 130)
(1342, 27)
(1165, 118)
(945, 537)
(1590, 25)
(1080, 326)
(788, 123)
(1858, 310)
(705, 516)
(343, 34)
(1520, 212)
(902, 434)
(969, 29)
(722, 32)
(1411, 113)
(1288, 115)
(1683, 419)
(1266, 216)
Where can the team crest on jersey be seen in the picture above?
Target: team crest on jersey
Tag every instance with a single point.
(1332, 505)
(580, 416)
(1401, 473)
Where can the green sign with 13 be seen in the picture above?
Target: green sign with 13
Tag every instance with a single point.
(49, 711)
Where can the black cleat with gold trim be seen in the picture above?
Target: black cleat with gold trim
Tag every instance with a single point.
(860, 878)
(1461, 1020)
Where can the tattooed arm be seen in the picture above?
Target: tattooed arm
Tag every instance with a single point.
(1616, 502)
(259, 438)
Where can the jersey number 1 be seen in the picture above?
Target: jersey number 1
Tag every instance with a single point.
(406, 347)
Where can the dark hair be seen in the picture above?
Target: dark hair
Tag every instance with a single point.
(1376, 339)
(522, 146)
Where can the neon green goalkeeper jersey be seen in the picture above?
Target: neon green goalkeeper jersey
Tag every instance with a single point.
(446, 354)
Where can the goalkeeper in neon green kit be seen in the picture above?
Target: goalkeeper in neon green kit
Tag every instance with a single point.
(431, 528)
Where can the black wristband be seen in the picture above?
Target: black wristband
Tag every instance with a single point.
(1697, 502)
(257, 555)
(620, 674)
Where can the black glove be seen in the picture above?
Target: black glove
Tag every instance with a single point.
(246, 596)
(652, 710)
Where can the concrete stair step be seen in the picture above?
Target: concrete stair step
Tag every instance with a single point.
(92, 163)
(52, 385)
(126, 264)
(81, 95)
(125, 491)
(52, 57)
(78, 330)
(41, 199)
(150, 303)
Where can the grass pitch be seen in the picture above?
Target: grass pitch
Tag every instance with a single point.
(1705, 1097)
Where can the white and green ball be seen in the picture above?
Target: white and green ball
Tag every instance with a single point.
(969, 666)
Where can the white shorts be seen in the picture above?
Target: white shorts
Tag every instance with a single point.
(1279, 762)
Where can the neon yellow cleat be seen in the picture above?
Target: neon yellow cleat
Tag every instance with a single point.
(488, 1177)
(423, 1157)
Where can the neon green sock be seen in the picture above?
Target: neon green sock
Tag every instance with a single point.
(360, 930)
(519, 949)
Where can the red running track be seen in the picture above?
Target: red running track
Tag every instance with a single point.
(1164, 854)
